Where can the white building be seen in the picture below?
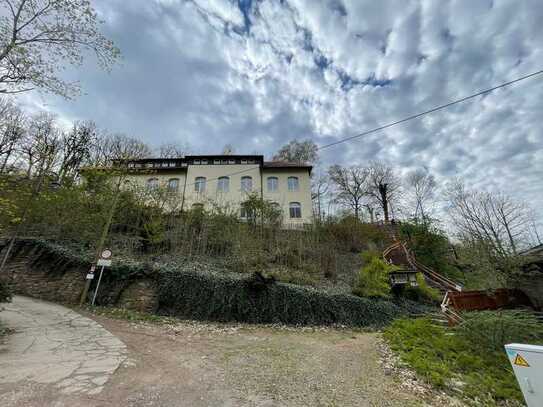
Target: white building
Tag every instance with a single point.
(227, 180)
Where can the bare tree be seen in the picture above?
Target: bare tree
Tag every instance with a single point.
(495, 219)
(383, 186)
(117, 147)
(77, 145)
(305, 151)
(42, 145)
(351, 186)
(12, 129)
(228, 149)
(38, 38)
(319, 188)
(172, 150)
(421, 190)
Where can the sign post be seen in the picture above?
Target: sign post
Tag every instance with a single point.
(103, 261)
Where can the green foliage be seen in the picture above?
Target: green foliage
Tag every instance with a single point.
(489, 331)
(431, 247)
(457, 361)
(245, 299)
(423, 292)
(373, 279)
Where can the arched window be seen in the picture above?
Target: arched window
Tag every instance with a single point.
(293, 184)
(223, 184)
(273, 184)
(152, 184)
(200, 184)
(246, 184)
(173, 184)
(295, 210)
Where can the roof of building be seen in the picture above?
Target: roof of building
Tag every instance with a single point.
(182, 162)
(287, 164)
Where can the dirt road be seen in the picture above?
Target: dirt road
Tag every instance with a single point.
(198, 364)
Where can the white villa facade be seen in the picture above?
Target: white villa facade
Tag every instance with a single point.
(227, 181)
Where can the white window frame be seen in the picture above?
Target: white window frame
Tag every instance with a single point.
(177, 181)
(295, 210)
(243, 186)
(276, 188)
(223, 184)
(200, 184)
(152, 184)
(293, 188)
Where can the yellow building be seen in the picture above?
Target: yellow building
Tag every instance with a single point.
(225, 181)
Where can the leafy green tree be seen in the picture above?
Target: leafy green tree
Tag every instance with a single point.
(39, 37)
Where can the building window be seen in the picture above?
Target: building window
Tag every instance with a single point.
(223, 185)
(173, 184)
(196, 162)
(293, 184)
(204, 162)
(224, 161)
(216, 161)
(244, 161)
(152, 184)
(171, 164)
(231, 161)
(200, 184)
(273, 184)
(246, 184)
(245, 213)
(295, 210)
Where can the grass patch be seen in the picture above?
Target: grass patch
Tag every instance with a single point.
(455, 362)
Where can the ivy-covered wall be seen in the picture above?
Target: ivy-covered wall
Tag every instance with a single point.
(49, 272)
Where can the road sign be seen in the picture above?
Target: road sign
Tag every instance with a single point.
(90, 276)
(104, 262)
(106, 254)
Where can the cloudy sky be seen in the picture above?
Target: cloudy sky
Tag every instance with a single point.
(256, 74)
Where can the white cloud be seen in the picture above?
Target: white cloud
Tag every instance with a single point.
(194, 71)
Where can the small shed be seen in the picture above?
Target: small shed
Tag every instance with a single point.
(403, 277)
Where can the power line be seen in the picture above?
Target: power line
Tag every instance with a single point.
(395, 123)
(435, 109)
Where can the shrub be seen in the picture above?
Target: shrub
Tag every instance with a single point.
(373, 279)
(195, 295)
(454, 363)
(490, 330)
(423, 292)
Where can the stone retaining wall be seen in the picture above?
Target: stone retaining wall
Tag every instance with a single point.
(48, 278)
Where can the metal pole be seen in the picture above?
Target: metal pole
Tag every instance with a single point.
(97, 285)
(103, 237)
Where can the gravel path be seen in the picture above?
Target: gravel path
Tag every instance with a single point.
(199, 364)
